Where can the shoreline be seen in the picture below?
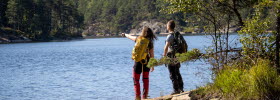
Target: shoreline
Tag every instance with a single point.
(181, 96)
(159, 35)
(187, 95)
(7, 41)
(30, 41)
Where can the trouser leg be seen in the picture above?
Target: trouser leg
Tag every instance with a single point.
(138, 68)
(179, 78)
(136, 78)
(173, 77)
(145, 79)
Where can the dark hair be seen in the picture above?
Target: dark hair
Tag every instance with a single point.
(149, 34)
(171, 24)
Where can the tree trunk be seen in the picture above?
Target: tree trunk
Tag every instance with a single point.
(227, 36)
(3, 18)
(277, 41)
(241, 23)
(216, 45)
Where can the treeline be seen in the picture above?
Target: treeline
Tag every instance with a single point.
(115, 16)
(42, 19)
(60, 19)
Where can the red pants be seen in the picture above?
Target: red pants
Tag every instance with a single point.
(137, 70)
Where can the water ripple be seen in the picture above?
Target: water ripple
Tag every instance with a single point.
(89, 69)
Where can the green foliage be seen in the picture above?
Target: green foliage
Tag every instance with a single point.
(3, 18)
(61, 19)
(200, 91)
(188, 29)
(215, 17)
(265, 80)
(203, 93)
(116, 16)
(229, 81)
(255, 36)
(100, 33)
(261, 81)
(190, 55)
(189, 6)
(247, 77)
(193, 54)
(44, 19)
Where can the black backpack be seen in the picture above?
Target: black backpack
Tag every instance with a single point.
(179, 44)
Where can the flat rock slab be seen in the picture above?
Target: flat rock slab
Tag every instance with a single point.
(181, 96)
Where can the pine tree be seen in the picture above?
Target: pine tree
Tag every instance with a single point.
(3, 18)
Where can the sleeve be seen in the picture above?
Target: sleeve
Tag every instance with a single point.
(169, 38)
(136, 39)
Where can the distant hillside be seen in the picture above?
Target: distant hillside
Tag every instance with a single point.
(116, 16)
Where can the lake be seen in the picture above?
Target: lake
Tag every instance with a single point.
(88, 69)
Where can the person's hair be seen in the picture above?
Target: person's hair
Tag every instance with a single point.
(148, 33)
(171, 24)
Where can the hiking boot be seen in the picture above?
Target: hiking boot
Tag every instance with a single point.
(138, 98)
(145, 97)
(175, 92)
(181, 91)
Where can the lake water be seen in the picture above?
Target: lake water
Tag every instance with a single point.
(87, 70)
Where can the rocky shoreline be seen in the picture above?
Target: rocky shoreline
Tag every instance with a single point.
(181, 96)
(20, 39)
(188, 95)
(4, 40)
(8, 35)
(159, 35)
(7, 40)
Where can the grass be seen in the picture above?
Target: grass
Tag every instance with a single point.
(261, 81)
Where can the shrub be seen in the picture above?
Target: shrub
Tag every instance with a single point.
(230, 82)
(261, 81)
(265, 80)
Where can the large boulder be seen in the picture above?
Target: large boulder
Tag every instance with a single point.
(157, 27)
(91, 30)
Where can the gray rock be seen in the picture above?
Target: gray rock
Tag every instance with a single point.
(157, 27)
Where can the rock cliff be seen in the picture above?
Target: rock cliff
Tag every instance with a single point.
(157, 27)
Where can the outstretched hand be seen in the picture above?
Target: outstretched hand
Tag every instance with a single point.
(123, 34)
(152, 69)
(163, 54)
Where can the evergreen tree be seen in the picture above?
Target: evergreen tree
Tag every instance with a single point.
(45, 19)
(42, 20)
(3, 18)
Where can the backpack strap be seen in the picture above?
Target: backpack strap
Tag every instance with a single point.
(175, 39)
(148, 52)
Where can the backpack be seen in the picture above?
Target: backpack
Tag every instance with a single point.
(179, 44)
(140, 50)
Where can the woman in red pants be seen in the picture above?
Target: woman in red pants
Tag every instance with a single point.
(140, 66)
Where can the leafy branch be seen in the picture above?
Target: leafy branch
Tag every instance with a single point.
(184, 57)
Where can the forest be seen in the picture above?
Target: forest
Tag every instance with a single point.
(252, 72)
(43, 20)
(116, 16)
